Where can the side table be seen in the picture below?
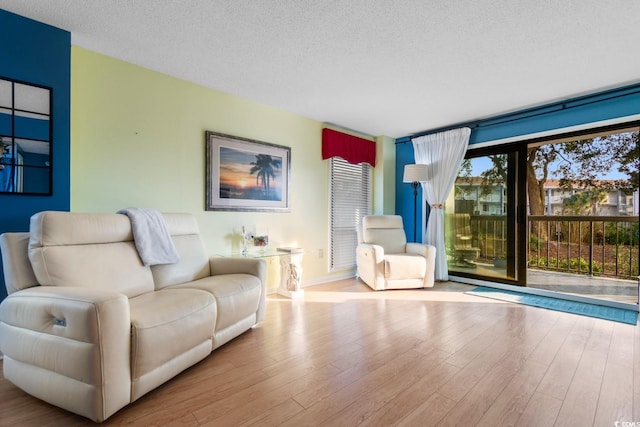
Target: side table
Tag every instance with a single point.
(290, 267)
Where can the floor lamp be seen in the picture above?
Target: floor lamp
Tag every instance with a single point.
(415, 174)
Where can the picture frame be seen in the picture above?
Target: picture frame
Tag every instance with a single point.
(246, 175)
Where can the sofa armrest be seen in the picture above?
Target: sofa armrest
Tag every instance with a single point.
(429, 252)
(370, 264)
(374, 252)
(252, 266)
(69, 338)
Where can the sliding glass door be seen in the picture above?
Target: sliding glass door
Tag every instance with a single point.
(557, 214)
(481, 217)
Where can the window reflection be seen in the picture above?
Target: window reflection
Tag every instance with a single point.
(25, 138)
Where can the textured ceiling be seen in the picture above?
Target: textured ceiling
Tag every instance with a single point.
(380, 67)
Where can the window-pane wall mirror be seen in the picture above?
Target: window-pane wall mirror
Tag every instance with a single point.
(25, 138)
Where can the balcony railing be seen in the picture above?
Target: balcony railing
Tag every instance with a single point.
(604, 246)
(591, 245)
(491, 236)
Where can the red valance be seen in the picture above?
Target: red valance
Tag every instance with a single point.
(351, 148)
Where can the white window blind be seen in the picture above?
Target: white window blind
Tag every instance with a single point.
(350, 201)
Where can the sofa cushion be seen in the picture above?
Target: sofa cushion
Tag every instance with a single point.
(237, 296)
(167, 323)
(194, 261)
(404, 266)
(88, 250)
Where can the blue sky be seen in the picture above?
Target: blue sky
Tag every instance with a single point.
(481, 164)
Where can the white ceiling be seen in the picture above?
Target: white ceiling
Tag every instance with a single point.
(380, 67)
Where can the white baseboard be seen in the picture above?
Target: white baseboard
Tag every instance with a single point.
(320, 281)
(329, 279)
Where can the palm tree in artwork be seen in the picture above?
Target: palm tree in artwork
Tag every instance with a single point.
(264, 167)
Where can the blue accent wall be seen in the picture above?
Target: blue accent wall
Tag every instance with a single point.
(606, 105)
(37, 53)
(404, 192)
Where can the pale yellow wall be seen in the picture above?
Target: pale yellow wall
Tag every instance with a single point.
(384, 196)
(137, 140)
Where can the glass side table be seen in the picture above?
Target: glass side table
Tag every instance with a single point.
(290, 267)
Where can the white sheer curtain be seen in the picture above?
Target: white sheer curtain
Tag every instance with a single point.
(444, 153)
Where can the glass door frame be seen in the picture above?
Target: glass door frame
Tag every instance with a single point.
(515, 216)
(517, 200)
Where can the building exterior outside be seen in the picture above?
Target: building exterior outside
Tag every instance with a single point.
(474, 197)
(613, 202)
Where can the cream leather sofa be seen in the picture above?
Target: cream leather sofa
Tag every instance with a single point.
(87, 327)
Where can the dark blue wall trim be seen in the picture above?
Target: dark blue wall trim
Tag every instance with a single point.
(611, 104)
(600, 106)
(37, 53)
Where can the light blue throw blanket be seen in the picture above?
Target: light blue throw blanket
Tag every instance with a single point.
(151, 237)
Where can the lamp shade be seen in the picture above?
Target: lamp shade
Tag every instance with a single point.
(416, 173)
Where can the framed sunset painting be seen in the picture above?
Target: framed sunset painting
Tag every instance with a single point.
(246, 175)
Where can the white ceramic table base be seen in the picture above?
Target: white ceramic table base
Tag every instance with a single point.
(291, 276)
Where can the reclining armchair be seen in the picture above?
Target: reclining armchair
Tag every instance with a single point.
(385, 260)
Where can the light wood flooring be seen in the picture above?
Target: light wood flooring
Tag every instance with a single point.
(348, 356)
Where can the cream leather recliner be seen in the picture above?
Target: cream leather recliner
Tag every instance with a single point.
(89, 328)
(386, 261)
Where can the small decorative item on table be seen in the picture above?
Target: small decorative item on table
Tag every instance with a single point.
(261, 239)
(246, 237)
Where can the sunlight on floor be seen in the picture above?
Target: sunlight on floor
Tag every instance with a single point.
(357, 290)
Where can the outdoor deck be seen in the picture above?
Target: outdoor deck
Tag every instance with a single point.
(592, 287)
(604, 249)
